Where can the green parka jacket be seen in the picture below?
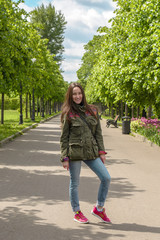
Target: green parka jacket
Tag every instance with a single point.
(77, 141)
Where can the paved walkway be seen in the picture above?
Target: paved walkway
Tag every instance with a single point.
(34, 202)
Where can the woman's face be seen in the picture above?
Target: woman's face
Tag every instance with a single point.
(77, 95)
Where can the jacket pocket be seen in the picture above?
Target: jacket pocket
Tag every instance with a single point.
(75, 150)
(76, 128)
(93, 123)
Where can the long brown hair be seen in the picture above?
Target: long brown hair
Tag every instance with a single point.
(68, 106)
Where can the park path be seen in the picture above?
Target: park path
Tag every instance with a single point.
(34, 202)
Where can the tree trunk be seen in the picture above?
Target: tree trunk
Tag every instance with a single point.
(132, 112)
(21, 106)
(150, 111)
(121, 109)
(50, 107)
(46, 107)
(37, 106)
(58, 106)
(55, 107)
(26, 105)
(33, 106)
(112, 111)
(144, 113)
(138, 112)
(109, 106)
(2, 109)
(43, 106)
(40, 107)
(126, 109)
(30, 106)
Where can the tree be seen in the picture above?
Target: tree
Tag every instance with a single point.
(51, 25)
(89, 60)
(19, 44)
(12, 54)
(127, 68)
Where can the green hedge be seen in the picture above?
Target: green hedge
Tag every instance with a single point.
(10, 103)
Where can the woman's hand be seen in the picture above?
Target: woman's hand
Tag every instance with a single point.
(66, 164)
(103, 157)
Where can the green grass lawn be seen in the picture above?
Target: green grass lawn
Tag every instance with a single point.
(11, 115)
(11, 123)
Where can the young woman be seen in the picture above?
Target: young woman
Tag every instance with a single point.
(81, 140)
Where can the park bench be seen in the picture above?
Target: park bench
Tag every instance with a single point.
(112, 121)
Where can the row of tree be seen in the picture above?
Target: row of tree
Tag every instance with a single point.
(122, 63)
(31, 47)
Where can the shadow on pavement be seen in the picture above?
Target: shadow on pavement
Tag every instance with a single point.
(29, 227)
(126, 227)
(31, 175)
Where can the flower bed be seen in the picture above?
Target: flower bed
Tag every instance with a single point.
(149, 128)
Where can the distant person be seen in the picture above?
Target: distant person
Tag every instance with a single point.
(81, 140)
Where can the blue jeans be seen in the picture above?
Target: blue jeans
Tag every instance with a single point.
(100, 170)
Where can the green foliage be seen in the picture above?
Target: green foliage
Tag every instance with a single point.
(135, 125)
(127, 57)
(20, 44)
(148, 128)
(51, 25)
(84, 74)
(89, 59)
(10, 103)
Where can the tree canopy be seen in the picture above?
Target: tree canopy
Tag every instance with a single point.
(20, 43)
(127, 57)
(26, 62)
(51, 25)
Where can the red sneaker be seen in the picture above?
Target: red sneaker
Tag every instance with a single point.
(101, 215)
(79, 217)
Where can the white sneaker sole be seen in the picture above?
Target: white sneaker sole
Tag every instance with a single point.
(80, 221)
(100, 218)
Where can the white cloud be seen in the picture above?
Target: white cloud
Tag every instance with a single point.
(79, 14)
(71, 65)
(70, 77)
(108, 15)
(96, 1)
(73, 48)
(113, 4)
(76, 13)
(83, 19)
(93, 19)
(25, 7)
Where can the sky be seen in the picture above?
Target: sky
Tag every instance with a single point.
(83, 18)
